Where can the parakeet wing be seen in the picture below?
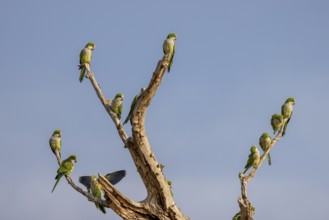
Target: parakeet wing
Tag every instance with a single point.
(81, 54)
(171, 58)
(115, 177)
(66, 166)
(285, 126)
(250, 161)
(85, 180)
(173, 53)
(119, 111)
(51, 145)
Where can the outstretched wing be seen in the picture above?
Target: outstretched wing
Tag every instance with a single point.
(86, 181)
(115, 177)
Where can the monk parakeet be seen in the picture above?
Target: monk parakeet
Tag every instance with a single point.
(113, 178)
(55, 142)
(169, 48)
(286, 111)
(133, 104)
(237, 216)
(253, 158)
(116, 104)
(265, 141)
(65, 168)
(276, 122)
(96, 190)
(85, 57)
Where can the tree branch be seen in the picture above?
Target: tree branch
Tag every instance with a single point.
(74, 186)
(159, 203)
(107, 105)
(246, 209)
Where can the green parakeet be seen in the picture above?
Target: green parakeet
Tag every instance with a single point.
(265, 141)
(96, 190)
(276, 122)
(286, 111)
(116, 104)
(253, 158)
(55, 142)
(237, 216)
(85, 57)
(133, 104)
(169, 48)
(65, 168)
(113, 178)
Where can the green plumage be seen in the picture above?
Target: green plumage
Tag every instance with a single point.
(253, 158)
(55, 142)
(265, 142)
(133, 104)
(286, 111)
(276, 122)
(237, 216)
(96, 190)
(116, 104)
(65, 168)
(85, 57)
(169, 48)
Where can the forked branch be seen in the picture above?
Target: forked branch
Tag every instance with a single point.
(159, 203)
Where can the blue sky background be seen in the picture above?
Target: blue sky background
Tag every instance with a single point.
(236, 62)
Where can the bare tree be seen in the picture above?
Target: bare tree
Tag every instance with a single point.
(159, 203)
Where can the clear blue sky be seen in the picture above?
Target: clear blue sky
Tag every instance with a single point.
(236, 62)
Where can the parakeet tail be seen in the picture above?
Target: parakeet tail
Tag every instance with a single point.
(285, 127)
(245, 170)
(101, 208)
(82, 73)
(269, 159)
(58, 177)
(127, 119)
(169, 66)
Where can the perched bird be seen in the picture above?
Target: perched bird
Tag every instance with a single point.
(265, 141)
(113, 178)
(276, 122)
(85, 57)
(116, 104)
(170, 186)
(286, 111)
(55, 142)
(237, 216)
(133, 104)
(96, 190)
(253, 158)
(65, 168)
(169, 48)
